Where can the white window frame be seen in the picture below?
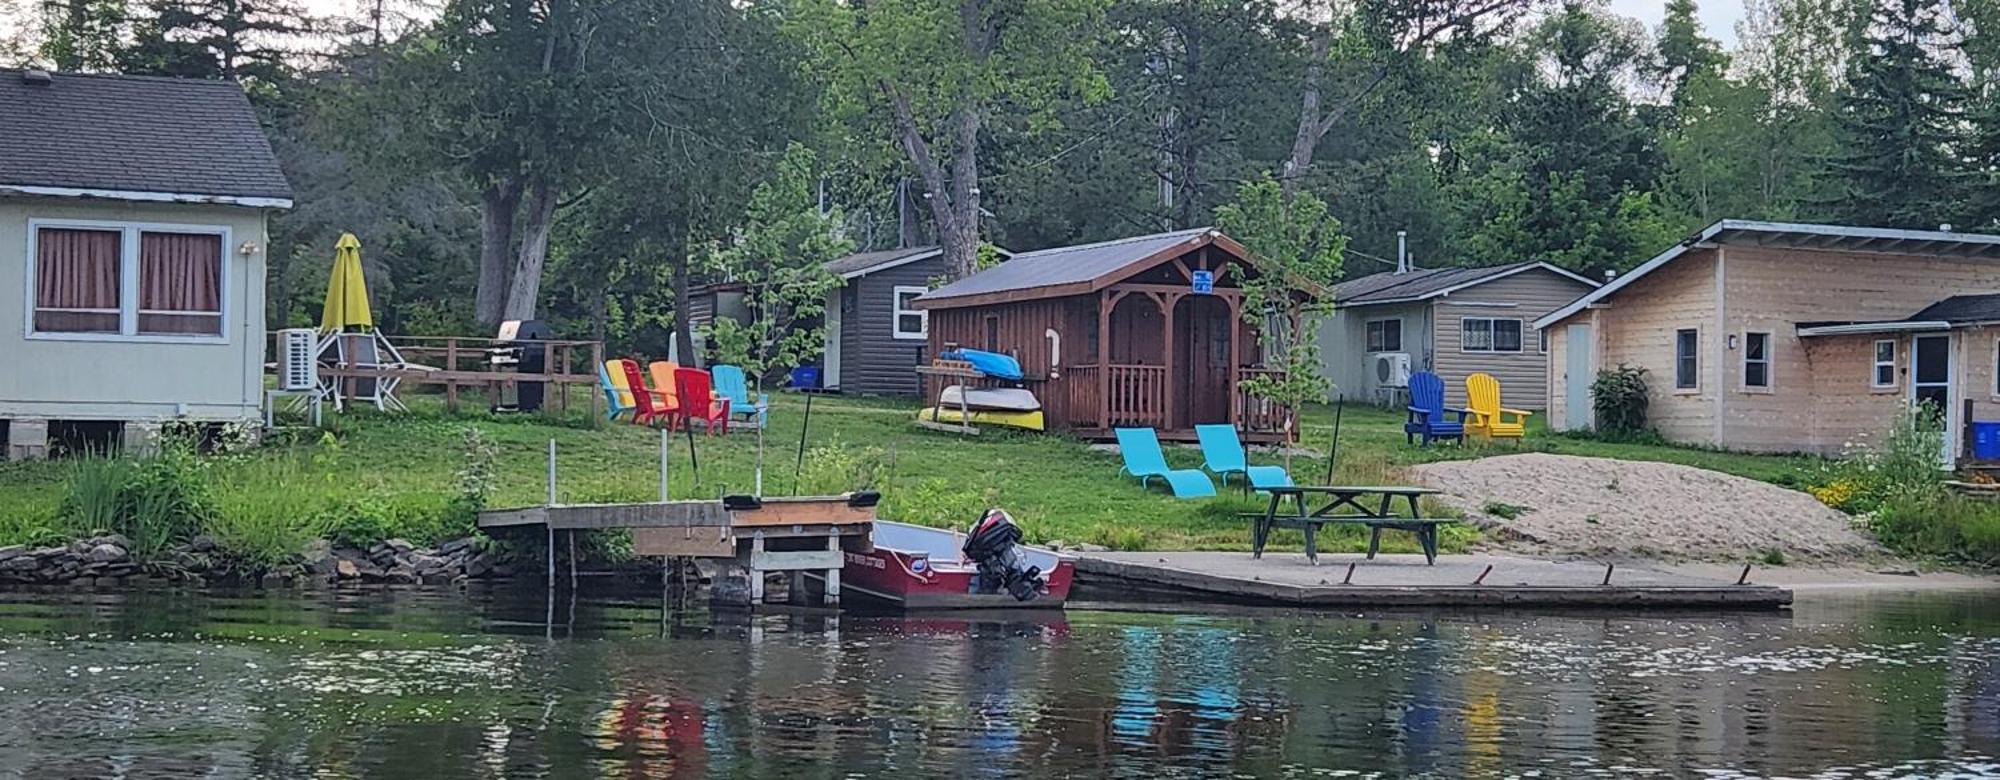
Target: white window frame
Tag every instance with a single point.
(1694, 352)
(897, 312)
(1385, 332)
(1770, 379)
(1520, 346)
(128, 281)
(1876, 364)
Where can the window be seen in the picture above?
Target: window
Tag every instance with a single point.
(109, 280)
(910, 321)
(1485, 334)
(1385, 335)
(1885, 364)
(1757, 360)
(1686, 342)
(1542, 339)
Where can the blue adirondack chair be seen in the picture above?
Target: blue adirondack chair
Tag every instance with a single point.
(1427, 412)
(1223, 455)
(1143, 459)
(730, 383)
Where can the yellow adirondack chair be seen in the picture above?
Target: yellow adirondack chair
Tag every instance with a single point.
(1490, 420)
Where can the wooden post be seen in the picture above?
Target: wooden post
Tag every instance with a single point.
(1235, 359)
(596, 360)
(1965, 433)
(1167, 303)
(450, 365)
(1104, 303)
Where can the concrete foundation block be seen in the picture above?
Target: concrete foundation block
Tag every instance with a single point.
(27, 439)
(139, 439)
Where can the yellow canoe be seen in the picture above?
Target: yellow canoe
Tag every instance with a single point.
(1029, 420)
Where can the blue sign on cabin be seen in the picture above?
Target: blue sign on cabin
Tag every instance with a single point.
(1204, 282)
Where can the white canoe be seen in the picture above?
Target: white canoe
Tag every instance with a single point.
(1008, 399)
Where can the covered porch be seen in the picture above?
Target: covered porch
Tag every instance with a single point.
(1144, 332)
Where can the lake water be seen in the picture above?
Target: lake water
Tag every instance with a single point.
(444, 685)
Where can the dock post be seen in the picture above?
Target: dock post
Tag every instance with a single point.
(550, 528)
(756, 576)
(663, 466)
(832, 597)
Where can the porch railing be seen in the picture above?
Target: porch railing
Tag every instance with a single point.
(1138, 395)
(1259, 414)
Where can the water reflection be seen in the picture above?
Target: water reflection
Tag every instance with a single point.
(446, 686)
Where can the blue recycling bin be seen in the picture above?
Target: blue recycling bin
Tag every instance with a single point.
(1986, 439)
(805, 378)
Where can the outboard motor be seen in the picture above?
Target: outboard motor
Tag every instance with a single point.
(994, 544)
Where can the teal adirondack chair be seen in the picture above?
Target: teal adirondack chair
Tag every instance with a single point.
(730, 383)
(1223, 455)
(1143, 459)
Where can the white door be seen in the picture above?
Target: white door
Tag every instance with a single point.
(1930, 383)
(1578, 372)
(829, 374)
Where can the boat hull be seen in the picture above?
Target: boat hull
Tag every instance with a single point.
(917, 568)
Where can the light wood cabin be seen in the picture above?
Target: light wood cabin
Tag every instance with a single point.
(1765, 337)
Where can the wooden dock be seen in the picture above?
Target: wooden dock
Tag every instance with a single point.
(1406, 581)
(790, 535)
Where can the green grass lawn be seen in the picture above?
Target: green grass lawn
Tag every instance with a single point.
(403, 469)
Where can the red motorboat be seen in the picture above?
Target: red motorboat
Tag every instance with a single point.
(913, 567)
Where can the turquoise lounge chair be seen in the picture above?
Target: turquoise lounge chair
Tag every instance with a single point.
(1224, 455)
(730, 383)
(1143, 459)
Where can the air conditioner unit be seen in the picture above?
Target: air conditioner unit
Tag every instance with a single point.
(1392, 369)
(298, 363)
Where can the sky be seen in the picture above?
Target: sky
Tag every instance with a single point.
(1718, 16)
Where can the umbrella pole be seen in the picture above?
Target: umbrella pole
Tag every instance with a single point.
(1333, 451)
(799, 466)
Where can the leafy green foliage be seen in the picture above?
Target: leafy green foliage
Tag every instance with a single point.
(1619, 398)
(1297, 249)
(780, 257)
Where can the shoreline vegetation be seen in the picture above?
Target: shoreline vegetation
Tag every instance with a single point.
(417, 480)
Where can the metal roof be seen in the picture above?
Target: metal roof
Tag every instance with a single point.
(1392, 287)
(135, 138)
(1943, 315)
(1793, 235)
(1066, 270)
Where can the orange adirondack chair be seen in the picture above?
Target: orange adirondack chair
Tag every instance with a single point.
(1490, 420)
(698, 401)
(648, 404)
(662, 374)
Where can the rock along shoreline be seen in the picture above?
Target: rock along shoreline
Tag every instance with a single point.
(107, 562)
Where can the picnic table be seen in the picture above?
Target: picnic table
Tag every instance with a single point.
(1367, 505)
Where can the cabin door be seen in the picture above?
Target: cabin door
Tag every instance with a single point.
(1930, 382)
(1201, 361)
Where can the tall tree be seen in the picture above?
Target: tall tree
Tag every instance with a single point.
(945, 76)
(1351, 56)
(1685, 52)
(83, 35)
(248, 40)
(1901, 122)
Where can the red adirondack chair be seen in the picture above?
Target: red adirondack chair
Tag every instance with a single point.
(648, 405)
(698, 401)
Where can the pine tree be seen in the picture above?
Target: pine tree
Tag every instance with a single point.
(1901, 122)
(82, 35)
(1685, 51)
(236, 39)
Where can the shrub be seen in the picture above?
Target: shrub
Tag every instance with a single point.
(1939, 524)
(1618, 396)
(166, 498)
(1910, 461)
(834, 468)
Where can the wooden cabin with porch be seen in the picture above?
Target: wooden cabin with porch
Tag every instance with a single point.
(1137, 332)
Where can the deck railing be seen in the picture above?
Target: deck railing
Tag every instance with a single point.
(1138, 395)
(1259, 414)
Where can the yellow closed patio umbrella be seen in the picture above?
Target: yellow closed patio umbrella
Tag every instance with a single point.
(346, 291)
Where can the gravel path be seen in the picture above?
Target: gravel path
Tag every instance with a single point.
(1568, 505)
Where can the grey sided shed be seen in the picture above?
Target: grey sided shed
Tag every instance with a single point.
(1450, 321)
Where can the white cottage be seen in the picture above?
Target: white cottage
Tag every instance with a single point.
(132, 254)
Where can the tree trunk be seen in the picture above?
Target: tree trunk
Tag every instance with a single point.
(677, 257)
(496, 244)
(525, 290)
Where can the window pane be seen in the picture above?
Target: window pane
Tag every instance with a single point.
(1506, 335)
(1755, 345)
(1392, 336)
(1885, 375)
(1684, 358)
(76, 280)
(909, 323)
(1756, 374)
(1477, 335)
(1885, 352)
(180, 274)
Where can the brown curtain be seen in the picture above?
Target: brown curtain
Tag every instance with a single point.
(180, 283)
(76, 280)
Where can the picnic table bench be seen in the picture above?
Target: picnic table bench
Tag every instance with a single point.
(1369, 505)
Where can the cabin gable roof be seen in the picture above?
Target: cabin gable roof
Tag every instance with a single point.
(1075, 270)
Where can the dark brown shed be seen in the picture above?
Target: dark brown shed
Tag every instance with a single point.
(1119, 333)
